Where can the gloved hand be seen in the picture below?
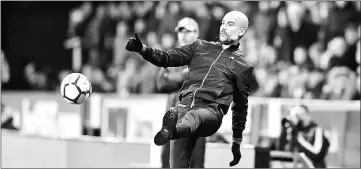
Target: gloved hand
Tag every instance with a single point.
(236, 154)
(134, 45)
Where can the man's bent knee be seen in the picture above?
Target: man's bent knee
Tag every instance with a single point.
(188, 125)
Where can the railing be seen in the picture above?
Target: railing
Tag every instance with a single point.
(294, 159)
(340, 119)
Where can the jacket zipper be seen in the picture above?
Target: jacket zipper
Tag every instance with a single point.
(204, 79)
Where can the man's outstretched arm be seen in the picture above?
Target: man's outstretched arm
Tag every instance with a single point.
(240, 111)
(240, 103)
(162, 58)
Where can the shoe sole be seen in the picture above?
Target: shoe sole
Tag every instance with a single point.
(169, 123)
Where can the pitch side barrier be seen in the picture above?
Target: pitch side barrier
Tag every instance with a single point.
(136, 118)
(21, 150)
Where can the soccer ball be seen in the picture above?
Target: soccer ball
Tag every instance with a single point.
(75, 88)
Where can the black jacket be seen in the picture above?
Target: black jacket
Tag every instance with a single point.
(316, 152)
(215, 76)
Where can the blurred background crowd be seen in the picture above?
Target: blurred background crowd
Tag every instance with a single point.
(307, 49)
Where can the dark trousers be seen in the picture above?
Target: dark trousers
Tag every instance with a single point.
(197, 156)
(192, 124)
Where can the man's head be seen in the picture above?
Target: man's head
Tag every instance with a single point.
(300, 55)
(300, 115)
(234, 26)
(187, 31)
(264, 6)
(340, 4)
(352, 33)
(5, 71)
(167, 40)
(295, 12)
(337, 46)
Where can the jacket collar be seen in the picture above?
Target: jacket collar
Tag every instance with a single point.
(232, 48)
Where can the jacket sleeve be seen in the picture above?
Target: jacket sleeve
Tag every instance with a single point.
(318, 149)
(240, 103)
(170, 58)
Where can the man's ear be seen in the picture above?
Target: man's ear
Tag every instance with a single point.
(242, 32)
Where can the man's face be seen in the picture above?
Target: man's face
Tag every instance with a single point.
(300, 55)
(340, 4)
(263, 6)
(337, 46)
(230, 30)
(186, 36)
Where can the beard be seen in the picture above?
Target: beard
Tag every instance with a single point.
(225, 40)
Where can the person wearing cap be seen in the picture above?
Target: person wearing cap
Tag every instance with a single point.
(170, 81)
(219, 78)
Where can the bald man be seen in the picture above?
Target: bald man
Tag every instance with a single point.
(218, 76)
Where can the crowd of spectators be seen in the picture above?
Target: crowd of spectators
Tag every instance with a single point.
(308, 49)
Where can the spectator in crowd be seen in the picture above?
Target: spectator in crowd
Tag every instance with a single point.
(358, 57)
(217, 11)
(340, 84)
(314, 84)
(120, 71)
(315, 51)
(79, 18)
(9, 117)
(266, 21)
(352, 35)
(301, 32)
(97, 77)
(290, 47)
(5, 70)
(301, 41)
(37, 79)
(339, 15)
(335, 49)
(302, 59)
(120, 40)
(171, 14)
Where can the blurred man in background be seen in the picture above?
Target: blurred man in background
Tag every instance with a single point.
(300, 133)
(170, 80)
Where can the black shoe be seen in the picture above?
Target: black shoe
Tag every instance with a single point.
(169, 127)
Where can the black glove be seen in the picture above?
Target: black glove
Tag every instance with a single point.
(134, 45)
(236, 154)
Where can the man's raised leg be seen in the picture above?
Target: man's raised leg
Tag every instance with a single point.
(204, 120)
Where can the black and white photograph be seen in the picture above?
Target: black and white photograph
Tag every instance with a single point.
(180, 84)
